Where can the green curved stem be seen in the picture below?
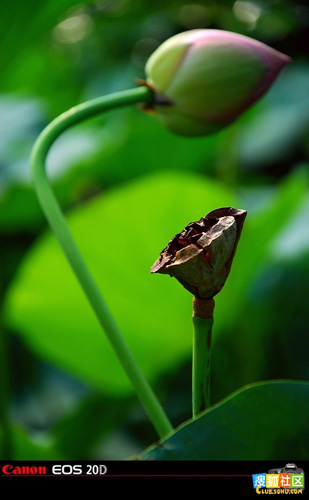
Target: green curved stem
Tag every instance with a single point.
(57, 222)
(202, 329)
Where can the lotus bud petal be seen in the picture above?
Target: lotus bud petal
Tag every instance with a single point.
(205, 79)
(200, 257)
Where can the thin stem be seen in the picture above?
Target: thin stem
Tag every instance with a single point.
(202, 329)
(57, 222)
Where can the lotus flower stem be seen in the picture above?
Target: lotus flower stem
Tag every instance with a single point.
(202, 328)
(57, 222)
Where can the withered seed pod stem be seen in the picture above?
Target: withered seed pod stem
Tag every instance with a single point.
(200, 258)
(202, 330)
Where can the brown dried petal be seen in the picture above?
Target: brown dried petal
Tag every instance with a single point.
(200, 257)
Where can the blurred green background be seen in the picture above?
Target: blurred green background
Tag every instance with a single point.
(127, 186)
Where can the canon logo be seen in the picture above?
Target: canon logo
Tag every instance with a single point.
(17, 470)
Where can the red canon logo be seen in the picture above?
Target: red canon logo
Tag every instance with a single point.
(25, 470)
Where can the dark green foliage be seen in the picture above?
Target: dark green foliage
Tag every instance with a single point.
(260, 422)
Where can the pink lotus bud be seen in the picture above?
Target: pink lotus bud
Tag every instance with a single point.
(204, 79)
